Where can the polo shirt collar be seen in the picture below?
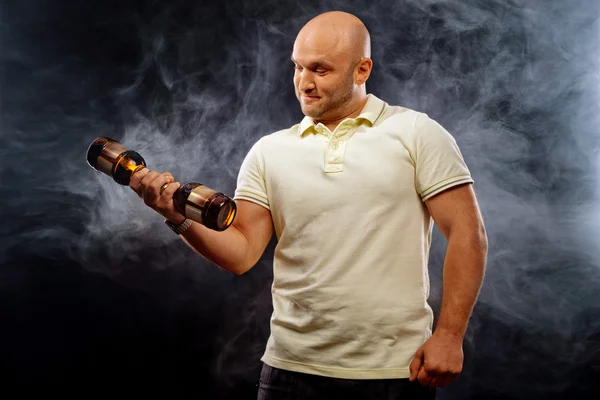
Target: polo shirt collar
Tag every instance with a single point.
(371, 111)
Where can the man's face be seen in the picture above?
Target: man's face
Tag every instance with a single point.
(323, 81)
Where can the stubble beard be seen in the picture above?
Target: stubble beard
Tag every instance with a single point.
(339, 98)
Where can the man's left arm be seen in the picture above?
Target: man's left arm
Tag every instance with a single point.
(457, 215)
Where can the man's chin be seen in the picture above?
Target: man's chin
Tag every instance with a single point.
(309, 111)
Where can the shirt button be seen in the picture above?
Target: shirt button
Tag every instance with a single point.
(335, 146)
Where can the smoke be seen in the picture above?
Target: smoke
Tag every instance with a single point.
(191, 87)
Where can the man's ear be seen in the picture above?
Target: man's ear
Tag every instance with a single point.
(363, 70)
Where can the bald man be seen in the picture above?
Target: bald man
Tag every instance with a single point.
(352, 193)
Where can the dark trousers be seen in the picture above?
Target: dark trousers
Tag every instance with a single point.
(278, 384)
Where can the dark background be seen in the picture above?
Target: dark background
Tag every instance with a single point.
(99, 298)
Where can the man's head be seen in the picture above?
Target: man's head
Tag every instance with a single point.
(332, 63)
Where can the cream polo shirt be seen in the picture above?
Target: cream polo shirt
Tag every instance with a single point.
(350, 283)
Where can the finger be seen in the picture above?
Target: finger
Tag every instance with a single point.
(155, 186)
(148, 178)
(415, 365)
(144, 169)
(170, 191)
(165, 185)
(165, 204)
(134, 181)
(162, 188)
(169, 175)
(144, 187)
(137, 176)
(424, 377)
(436, 381)
(147, 186)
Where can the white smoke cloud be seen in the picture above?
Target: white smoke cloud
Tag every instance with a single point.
(517, 82)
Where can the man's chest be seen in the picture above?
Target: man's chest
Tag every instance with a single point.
(317, 174)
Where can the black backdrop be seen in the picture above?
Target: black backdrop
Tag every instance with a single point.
(98, 298)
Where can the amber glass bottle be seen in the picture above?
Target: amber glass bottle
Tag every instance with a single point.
(197, 202)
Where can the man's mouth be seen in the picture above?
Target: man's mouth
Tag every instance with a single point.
(310, 98)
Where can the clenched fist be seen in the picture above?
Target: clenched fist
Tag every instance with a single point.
(438, 361)
(157, 191)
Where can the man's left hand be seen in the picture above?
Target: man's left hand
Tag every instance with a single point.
(438, 361)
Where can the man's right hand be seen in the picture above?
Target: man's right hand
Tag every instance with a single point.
(147, 184)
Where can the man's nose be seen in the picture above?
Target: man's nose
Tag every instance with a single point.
(306, 83)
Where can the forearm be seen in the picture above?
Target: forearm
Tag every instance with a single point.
(464, 268)
(229, 249)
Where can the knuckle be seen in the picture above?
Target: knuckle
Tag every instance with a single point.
(432, 368)
(149, 175)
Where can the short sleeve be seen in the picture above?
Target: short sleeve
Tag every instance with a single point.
(438, 161)
(251, 185)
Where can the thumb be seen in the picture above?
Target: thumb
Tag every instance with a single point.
(416, 364)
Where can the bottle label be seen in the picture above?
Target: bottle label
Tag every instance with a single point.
(193, 213)
(109, 156)
(195, 206)
(104, 166)
(112, 151)
(200, 195)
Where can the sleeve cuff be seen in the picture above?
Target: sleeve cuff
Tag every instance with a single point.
(445, 185)
(252, 198)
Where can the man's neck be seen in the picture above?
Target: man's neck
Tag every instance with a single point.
(353, 112)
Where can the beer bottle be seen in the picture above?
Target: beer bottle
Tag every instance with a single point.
(197, 202)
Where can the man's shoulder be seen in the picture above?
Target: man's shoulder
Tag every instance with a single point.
(292, 130)
(264, 144)
(412, 123)
(401, 115)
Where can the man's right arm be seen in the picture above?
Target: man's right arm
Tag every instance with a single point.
(239, 247)
(236, 249)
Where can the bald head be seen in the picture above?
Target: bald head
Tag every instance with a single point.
(337, 32)
(332, 62)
